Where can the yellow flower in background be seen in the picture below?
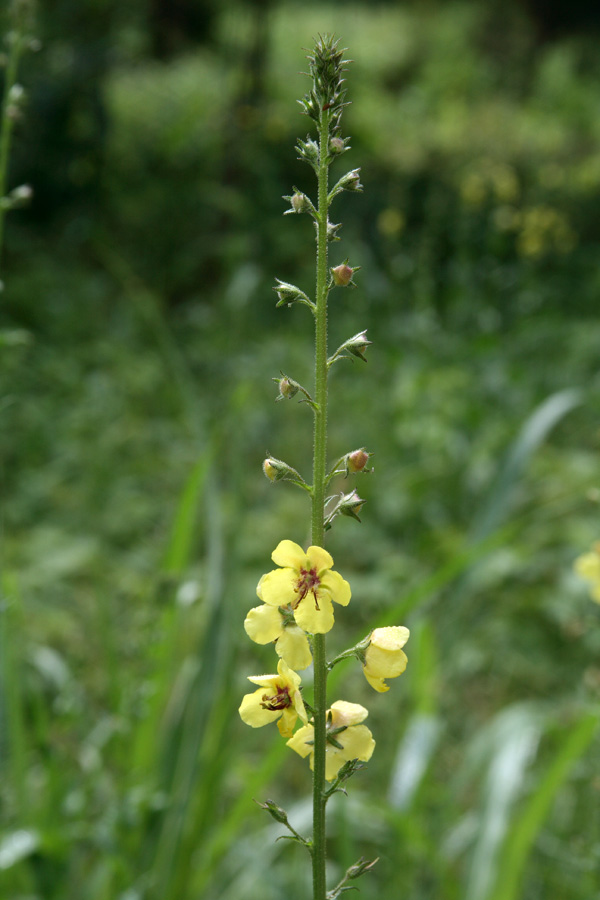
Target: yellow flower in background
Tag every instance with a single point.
(384, 657)
(306, 583)
(588, 566)
(264, 624)
(277, 698)
(346, 738)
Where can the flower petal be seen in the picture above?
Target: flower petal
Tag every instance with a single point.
(337, 588)
(264, 624)
(288, 719)
(384, 663)
(293, 646)
(358, 743)
(253, 713)
(376, 682)
(277, 588)
(345, 713)
(313, 620)
(289, 554)
(302, 740)
(334, 760)
(319, 559)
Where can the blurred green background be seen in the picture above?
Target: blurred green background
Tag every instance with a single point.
(139, 339)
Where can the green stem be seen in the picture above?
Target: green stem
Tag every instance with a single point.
(318, 507)
(7, 120)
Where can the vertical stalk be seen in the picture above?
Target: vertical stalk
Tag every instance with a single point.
(318, 507)
(16, 45)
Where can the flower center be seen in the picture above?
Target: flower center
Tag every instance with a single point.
(281, 700)
(308, 583)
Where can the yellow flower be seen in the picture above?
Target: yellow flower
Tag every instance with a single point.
(346, 738)
(384, 657)
(278, 697)
(264, 624)
(306, 583)
(588, 566)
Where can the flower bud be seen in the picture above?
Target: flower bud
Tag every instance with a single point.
(276, 811)
(342, 275)
(278, 470)
(350, 505)
(332, 231)
(336, 145)
(289, 293)
(360, 867)
(299, 202)
(288, 388)
(356, 461)
(352, 182)
(357, 345)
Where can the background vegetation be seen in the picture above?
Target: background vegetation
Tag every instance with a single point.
(139, 341)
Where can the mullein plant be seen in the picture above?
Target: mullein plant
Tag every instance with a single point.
(301, 597)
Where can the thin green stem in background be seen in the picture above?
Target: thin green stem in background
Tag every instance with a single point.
(14, 53)
(318, 508)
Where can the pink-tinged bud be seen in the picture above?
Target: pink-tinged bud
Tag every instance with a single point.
(342, 275)
(336, 145)
(357, 460)
(350, 505)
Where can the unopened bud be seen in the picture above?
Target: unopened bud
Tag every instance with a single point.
(342, 275)
(336, 145)
(289, 293)
(277, 470)
(288, 388)
(276, 811)
(299, 202)
(360, 867)
(352, 181)
(357, 345)
(356, 461)
(332, 231)
(350, 505)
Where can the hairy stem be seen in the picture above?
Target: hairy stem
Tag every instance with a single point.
(318, 507)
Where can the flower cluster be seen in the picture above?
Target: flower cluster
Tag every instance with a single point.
(297, 603)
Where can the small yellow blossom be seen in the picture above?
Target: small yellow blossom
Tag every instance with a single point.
(306, 583)
(278, 697)
(588, 566)
(346, 738)
(384, 657)
(264, 624)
